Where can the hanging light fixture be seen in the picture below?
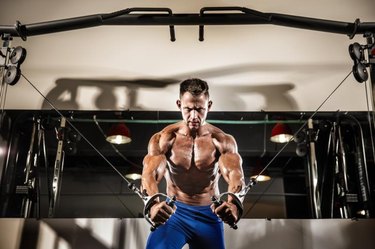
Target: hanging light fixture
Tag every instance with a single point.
(281, 133)
(119, 134)
(258, 174)
(261, 178)
(134, 173)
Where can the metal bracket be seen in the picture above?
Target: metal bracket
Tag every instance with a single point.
(57, 170)
(217, 201)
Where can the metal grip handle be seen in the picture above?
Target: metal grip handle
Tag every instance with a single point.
(217, 201)
(149, 202)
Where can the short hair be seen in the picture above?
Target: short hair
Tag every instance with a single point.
(195, 87)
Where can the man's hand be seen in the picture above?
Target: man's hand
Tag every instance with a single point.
(226, 211)
(161, 212)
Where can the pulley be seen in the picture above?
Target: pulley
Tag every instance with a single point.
(18, 55)
(360, 72)
(12, 75)
(301, 150)
(356, 51)
(70, 148)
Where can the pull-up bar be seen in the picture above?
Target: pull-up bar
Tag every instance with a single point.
(207, 16)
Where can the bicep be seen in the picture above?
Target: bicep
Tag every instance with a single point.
(154, 166)
(154, 163)
(230, 163)
(231, 168)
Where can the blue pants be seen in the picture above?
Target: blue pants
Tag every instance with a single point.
(197, 226)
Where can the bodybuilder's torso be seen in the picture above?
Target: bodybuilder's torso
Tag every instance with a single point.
(192, 172)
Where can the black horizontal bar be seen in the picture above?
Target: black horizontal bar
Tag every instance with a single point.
(248, 17)
(54, 26)
(186, 19)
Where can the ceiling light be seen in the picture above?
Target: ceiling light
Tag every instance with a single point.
(119, 134)
(134, 173)
(259, 173)
(263, 177)
(281, 133)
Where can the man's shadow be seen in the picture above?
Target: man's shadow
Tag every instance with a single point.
(65, 94)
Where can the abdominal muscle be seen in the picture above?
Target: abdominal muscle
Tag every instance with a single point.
(192, 188)
(193, 181)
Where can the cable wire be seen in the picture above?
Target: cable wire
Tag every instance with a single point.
(247, 188)
(113, 146)
(84, 137)
(302, 126)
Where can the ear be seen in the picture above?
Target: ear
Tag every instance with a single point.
(178, 103)
(209, 104)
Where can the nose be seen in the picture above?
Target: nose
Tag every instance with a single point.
(194, 114)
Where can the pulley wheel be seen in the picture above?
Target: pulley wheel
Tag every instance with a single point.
(300, 137)
(70, 148)
(18, 55)
(324, 125)
(356, 51)
(74, 136)
(301, 150)
(12, 75)
(360, 72)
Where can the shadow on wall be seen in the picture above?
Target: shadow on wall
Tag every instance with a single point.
(302, 234)
(65, 95)
(252, 233)
(274, 96)
(84, 233)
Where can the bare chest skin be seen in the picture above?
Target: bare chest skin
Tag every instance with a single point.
(192, 174)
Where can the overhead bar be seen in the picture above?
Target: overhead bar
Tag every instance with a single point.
(246, 17)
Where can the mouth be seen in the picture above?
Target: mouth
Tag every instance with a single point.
(194, 123)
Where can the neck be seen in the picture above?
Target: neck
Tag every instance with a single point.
(193, 133)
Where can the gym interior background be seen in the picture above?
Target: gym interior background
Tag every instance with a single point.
(260, 76)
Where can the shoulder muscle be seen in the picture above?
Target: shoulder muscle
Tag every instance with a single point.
(161, 142)
(225, 143)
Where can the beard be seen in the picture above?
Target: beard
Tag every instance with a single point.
(194, 125)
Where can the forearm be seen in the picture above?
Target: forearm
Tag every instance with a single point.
(236, 183)
(149, 184)
(153, 172)
(231, 168)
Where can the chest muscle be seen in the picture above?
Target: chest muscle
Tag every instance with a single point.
(190, 154)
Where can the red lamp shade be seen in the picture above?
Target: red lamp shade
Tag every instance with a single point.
(281, 133)
(119, 134)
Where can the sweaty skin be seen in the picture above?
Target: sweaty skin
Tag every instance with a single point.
(192, 155)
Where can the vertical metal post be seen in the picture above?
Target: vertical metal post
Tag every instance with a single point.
(5, 53)
(29, 184)
(30, 187)
(313, 174)
(371, 56)
(343, 172)
(57, 170)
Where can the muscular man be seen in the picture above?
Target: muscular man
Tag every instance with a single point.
(192, 155)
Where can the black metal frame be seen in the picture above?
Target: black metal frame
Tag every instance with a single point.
(206, 16)
(246, 17)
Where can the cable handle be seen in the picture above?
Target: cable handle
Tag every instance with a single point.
(149, 201)
(217, 201)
